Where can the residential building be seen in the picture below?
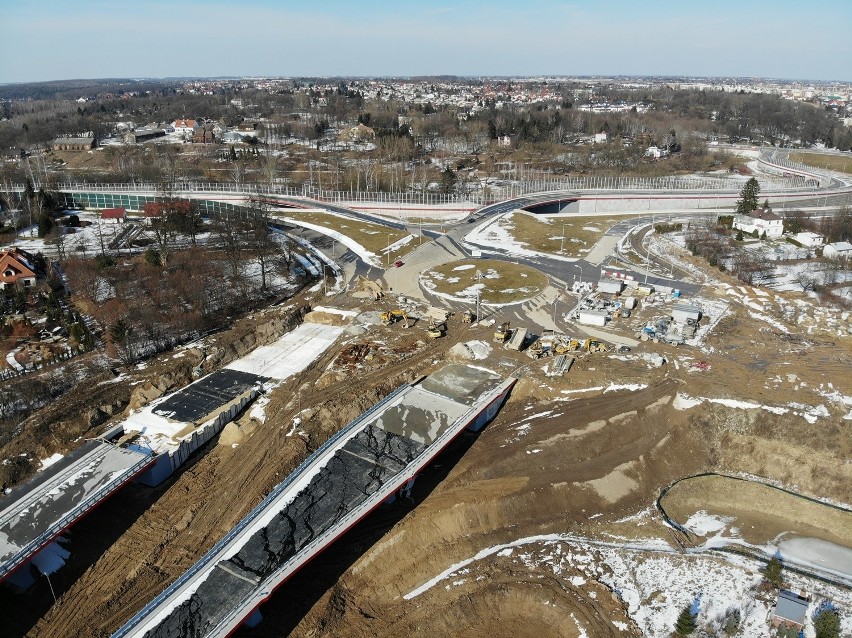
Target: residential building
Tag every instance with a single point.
(16, 268)
(838, 250)
(74, 143)
(204, 135)
(185, 127)
(790, 610)
(762, 220)
(808, 239)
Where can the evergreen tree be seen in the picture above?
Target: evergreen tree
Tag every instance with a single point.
(748, 197)
(685, 624)
(827, 621)
(739, 234)
(448, 181)
(773, 571)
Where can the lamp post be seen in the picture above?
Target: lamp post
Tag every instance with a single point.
(387, 252)
(562, 244)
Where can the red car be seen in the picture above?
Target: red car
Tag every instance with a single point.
(397, 264)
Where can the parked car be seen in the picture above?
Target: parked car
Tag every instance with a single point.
(397, 264)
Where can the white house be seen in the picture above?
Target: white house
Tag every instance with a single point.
(654, 152)
(185, 127)
(838, 250)
(762, 220)
(600, 138)
(811, 240)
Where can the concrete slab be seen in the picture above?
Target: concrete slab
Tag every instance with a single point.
(461, 382)
(48, 506)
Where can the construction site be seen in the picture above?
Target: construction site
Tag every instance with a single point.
(260, 481)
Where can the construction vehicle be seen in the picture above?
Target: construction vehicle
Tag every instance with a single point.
(436, 330)
(368, 285)
(593, 345)
(518, 339)
(389, 316)
(469, 316)
(501, 335)
(562, 347)
(536, 351)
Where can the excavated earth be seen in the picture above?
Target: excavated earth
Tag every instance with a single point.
(555, 460)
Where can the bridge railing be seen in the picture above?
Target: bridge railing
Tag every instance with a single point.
(214, 552)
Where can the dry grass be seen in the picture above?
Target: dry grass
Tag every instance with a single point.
(761, 512)
(373, 237)
(501, 282)
(842, 163)
(545, 236)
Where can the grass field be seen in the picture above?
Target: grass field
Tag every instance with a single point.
(761, 513)
(842, 163)
(499, 282)
(373, 237)
(545, 236)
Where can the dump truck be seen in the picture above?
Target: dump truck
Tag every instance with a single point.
(518, 339)
(501, 335)
(469, 316)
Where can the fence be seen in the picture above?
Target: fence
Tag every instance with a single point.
(482, 195)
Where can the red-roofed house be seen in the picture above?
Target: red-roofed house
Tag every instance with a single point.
(155, 210)
(16, 269)
(185, 127)
(114, 215)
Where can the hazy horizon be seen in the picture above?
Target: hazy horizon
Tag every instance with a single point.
(95, 39)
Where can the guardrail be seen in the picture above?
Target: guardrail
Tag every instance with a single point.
(380, 495)
(30, 548)
(251, 516)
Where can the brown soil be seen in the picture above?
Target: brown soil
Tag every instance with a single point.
(581, 467)
(760, 513)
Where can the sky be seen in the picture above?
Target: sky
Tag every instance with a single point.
(61, 39)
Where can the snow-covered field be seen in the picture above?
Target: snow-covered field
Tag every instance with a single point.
(654, 581)
(496, 235)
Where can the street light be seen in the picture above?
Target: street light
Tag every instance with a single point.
(388, 250)
(562, 245)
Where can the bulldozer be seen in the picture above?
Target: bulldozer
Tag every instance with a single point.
(368, 285)
(593, 345)
(436, 330)
(536, 350)
(562, 347)
(389, 316)
(501, 335)
(469, 316)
